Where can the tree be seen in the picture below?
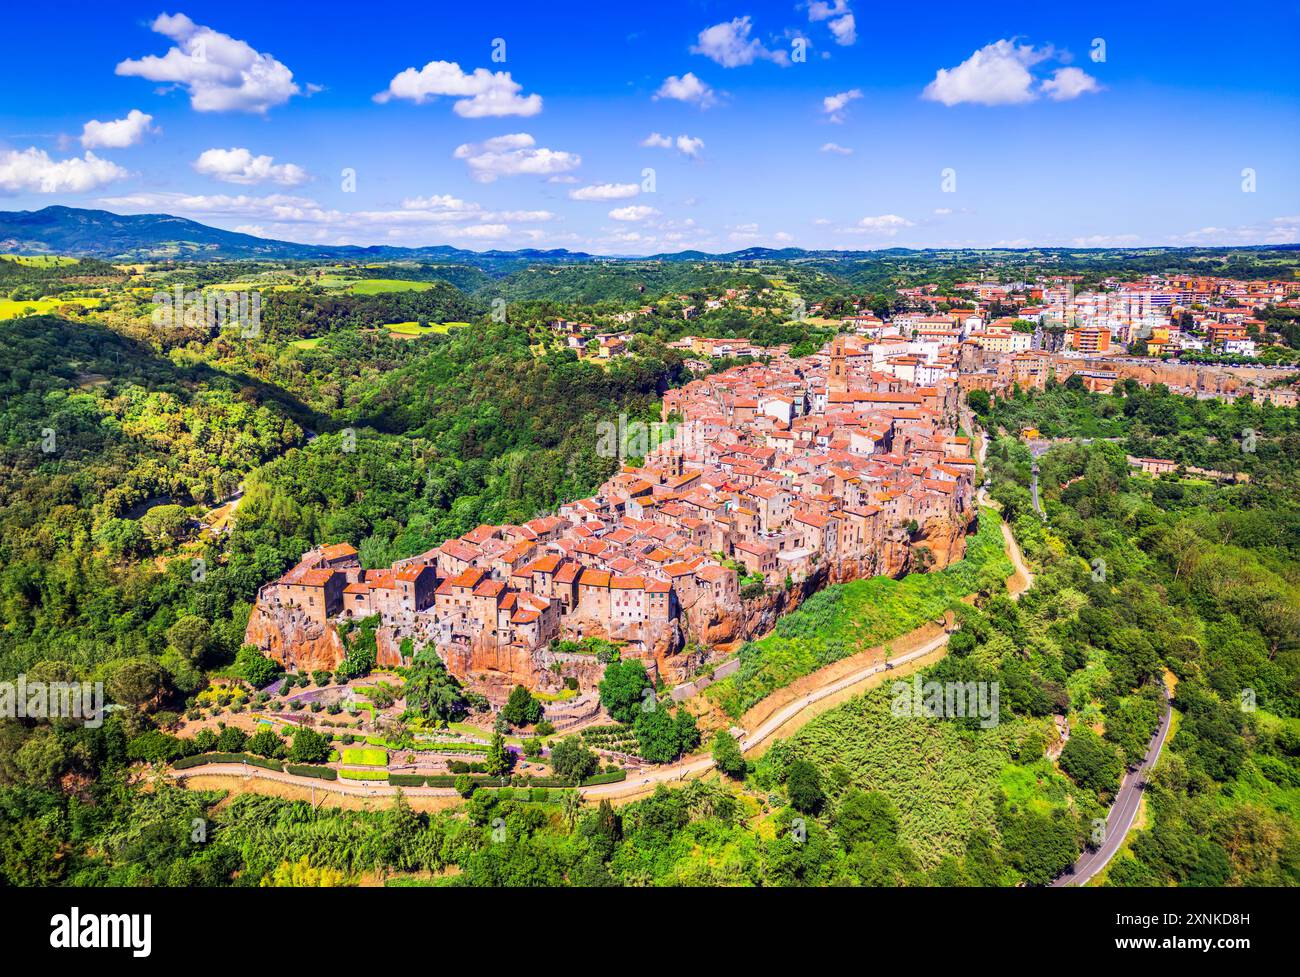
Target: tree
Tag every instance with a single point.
(866, 817)
(231, 739)
(136, 682)
(622, 689)
(164, 525)
(155, 746)
(190, 637)
(979, 401)
(498, 759)
(571, 808)
(266, 743)
(1040, 847)
(662, 737)
(309, 746)
(573, 761)
(1091, 762)
(432, 691)
(803, 785)
(727, 756)
(255, 668)
(521, 709)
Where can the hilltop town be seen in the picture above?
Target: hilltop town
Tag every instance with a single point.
(776, 479)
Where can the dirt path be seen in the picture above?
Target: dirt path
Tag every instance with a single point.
(231, 777)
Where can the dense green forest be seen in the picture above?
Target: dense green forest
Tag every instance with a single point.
(117, 443)
(114, 448)
(1194, 577)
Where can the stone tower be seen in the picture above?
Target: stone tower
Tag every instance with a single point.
(838, 381)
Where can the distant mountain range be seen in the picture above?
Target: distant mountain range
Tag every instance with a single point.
(102, 234)
(136, 237)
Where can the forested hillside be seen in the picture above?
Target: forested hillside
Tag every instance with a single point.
(1193, 577)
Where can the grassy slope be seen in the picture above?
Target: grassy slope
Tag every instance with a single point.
(847, 618)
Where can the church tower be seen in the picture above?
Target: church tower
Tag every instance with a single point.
(839, 375)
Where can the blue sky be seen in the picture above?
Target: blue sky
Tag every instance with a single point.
(835, 124)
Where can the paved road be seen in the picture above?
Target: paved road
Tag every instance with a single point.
(1033, 488)
(1122, 811)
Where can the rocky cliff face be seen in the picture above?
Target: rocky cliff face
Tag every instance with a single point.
(493, 670)
(295, 642)
(945, 539)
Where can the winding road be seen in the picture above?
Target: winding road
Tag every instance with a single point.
(1122, 811)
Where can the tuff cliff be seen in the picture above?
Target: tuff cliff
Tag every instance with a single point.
(492, 670)
(945, 539)
(294, 641)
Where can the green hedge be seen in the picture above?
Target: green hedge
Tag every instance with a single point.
(202, 758)
(306, 770)
(268, 764)
(606, 778)
(453, 747)
(448, 780)
(406, 779)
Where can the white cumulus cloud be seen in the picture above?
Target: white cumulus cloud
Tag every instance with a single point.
(836, 148)
(1000, 74)
(834, 105)
(479, 94)
(33, 171)
(1068, 83)
(730, 45)
(687, 88)
(116, 133)
(221, 73)
(686, 145)
(605, 191)
(633, 212)
(513, 155)
(839, 19)
(239, 165)
(887, 224)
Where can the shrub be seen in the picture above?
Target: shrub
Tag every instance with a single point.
(406, 779)
(265, 743)
(320, 773)
(727, 756)
(803, 785)
(309, 746)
